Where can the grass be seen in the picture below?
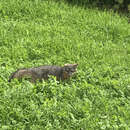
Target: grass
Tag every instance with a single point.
(36, 32)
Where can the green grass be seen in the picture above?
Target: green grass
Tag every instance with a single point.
(37, 32)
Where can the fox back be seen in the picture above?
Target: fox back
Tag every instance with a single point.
(43, 72)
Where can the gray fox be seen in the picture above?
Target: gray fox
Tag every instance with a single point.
(43, 72)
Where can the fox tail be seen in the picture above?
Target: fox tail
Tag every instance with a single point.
(16, 74)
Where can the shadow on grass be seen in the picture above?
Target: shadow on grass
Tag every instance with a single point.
(101, 5)
(123, 10)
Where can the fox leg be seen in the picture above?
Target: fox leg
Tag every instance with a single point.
(65, 75)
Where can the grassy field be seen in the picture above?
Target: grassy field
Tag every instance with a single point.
(37, 32)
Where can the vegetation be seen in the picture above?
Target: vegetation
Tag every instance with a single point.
(117, 5)
(37, 32)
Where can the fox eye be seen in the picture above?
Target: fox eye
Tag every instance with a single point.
(70, 70)
(67, 69)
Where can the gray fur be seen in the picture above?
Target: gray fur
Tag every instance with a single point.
(43, 72)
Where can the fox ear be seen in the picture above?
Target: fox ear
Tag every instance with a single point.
(75, 65)
(66, 64)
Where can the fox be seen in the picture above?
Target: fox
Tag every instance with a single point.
(43, 72)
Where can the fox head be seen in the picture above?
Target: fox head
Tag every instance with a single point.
(69, 69)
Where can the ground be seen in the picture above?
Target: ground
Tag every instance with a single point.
(36, 32)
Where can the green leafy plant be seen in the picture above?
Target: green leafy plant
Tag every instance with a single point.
(37, 32)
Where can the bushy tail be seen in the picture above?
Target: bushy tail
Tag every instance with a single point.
(14, 75)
